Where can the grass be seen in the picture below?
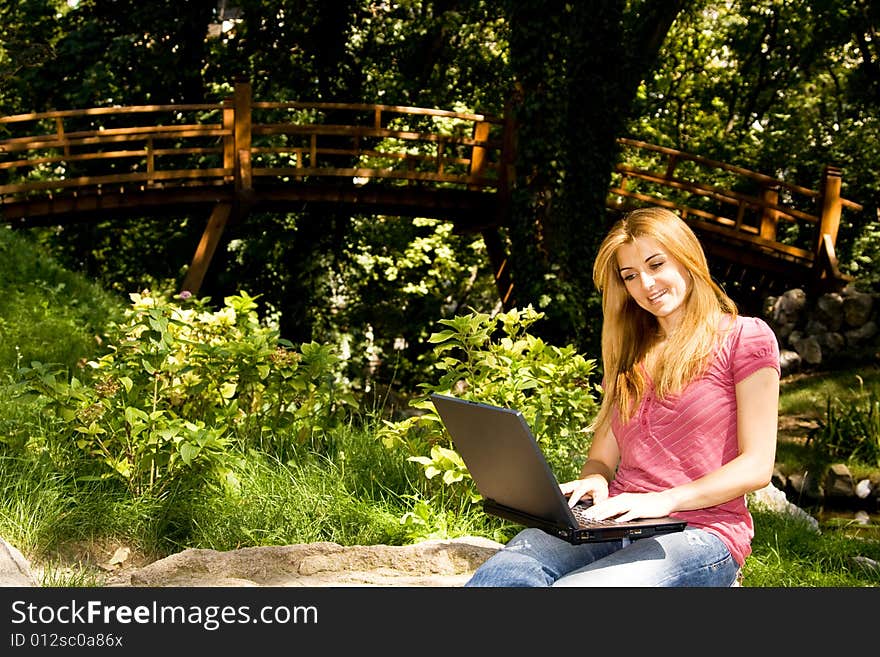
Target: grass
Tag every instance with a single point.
(356, 493)
(806, 394)
(787, 553)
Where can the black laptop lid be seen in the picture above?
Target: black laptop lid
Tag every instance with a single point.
(504, 460)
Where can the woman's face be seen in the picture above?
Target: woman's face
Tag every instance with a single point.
(654, 279)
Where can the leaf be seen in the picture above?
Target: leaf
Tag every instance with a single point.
(441, 336)
(134, 415)
(188, 452)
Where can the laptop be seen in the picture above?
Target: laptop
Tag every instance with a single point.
(515, 482)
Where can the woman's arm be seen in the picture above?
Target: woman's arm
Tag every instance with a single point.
(757, 400)
(597, 470)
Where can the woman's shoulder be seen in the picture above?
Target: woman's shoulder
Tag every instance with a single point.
(752, 335)
(748, 325)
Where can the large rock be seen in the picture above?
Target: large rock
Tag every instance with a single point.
(774, 499)
(15, 570)
(429, 563)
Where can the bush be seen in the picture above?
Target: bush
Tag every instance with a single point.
(495, 360)
(183, 392)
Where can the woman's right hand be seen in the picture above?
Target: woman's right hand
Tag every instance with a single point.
(593, 486)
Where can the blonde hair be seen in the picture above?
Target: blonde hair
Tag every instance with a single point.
(629, 331)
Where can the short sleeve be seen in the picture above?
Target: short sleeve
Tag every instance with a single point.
(754, 347)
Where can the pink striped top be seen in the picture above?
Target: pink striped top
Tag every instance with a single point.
(676, 440)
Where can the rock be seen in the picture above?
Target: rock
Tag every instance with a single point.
(429, 563)
(774, 499)
(862, 333)
(809, 349)
(15, 570)
(866, 563)
(839, 481)
(789, 361)
(807, 487)
(829, 310)
(857, 307)
(787, 307)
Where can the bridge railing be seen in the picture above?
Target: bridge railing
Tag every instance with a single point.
(240, 141)
(789, 221)
(47, 152)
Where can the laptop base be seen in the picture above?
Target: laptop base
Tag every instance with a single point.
(606, 531)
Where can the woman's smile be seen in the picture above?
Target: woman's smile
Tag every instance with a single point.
(654, 279)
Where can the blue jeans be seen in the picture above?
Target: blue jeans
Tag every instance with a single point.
(692, 557)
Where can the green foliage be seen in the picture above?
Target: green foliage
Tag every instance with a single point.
(496, 360)
(849, 431)
(47, 312)
(394, 279)
(781, 88)
(181, 386)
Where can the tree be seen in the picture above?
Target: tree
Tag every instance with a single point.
(577, 68)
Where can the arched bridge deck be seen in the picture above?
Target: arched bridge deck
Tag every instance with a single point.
(240, 156)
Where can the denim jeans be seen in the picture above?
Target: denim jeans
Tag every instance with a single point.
(692, 557)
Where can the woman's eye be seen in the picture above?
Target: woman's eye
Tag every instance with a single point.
(657, 265)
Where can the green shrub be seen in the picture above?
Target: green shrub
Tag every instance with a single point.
(182, 392)
(849, 431)
(496, 360)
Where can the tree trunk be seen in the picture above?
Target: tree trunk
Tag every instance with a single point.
(577, 68)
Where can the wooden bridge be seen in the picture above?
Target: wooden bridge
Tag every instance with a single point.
(228, 159)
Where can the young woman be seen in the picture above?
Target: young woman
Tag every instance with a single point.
(687, 424)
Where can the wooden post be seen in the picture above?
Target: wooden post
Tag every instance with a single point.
(478, 152)
(206, 248)
(229, 140)
(829, 219)
(59, 128)
(500, 269)
(151, 162)
(242, 100)
(498, 256)
(769, 216)
(671, 163)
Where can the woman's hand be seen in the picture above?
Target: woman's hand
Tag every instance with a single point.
(594, 486)
(629, 506)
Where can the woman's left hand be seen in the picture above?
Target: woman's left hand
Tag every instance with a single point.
(629, 506)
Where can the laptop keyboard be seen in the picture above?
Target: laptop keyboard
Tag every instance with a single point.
(579, 510)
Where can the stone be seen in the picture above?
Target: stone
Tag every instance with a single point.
(809, 349)
(839, 481)
(862, 333)
(788, 306)
(806, 486)
(428, 563)
(772, 498)
(863, 489)
(866, 563)
(857, 308)
(15, 570)
(829, 310)
(789, 361)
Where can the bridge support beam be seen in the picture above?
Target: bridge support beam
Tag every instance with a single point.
(207, 246)
(500, 269)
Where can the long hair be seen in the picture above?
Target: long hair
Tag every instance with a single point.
(629, 331)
